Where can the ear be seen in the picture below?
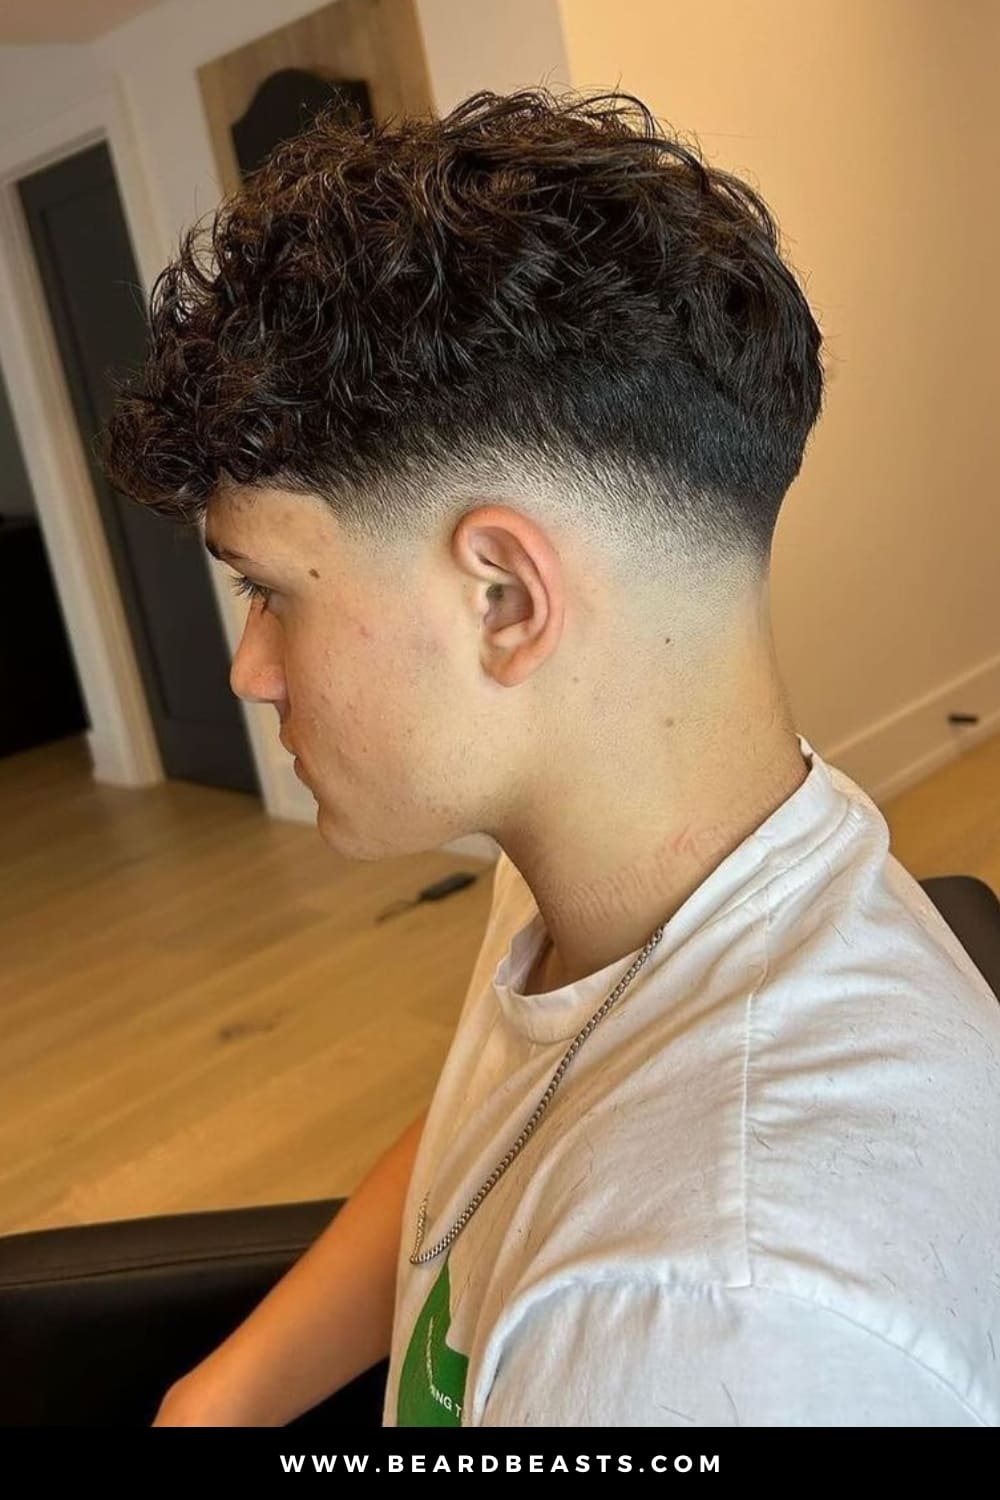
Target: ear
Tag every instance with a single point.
(519, 589)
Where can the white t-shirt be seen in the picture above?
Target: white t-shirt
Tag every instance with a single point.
(766, 1191)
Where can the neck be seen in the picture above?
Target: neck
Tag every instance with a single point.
(613, 852)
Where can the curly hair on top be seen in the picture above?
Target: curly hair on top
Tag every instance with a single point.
(531, 284)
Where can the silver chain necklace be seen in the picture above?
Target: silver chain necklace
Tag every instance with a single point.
(418, 1259)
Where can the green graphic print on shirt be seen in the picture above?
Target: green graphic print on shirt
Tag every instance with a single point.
(432, 1380)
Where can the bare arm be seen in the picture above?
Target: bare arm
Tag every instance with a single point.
(326, 1321)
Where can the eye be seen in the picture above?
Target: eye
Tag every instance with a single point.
(243, 585)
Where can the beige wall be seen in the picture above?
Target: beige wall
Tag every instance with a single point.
(872, 130)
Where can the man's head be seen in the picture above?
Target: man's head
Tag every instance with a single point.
(503, 408)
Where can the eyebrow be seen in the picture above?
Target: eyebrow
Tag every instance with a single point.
(224, 554)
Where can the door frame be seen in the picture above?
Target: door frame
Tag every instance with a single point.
(121, 740)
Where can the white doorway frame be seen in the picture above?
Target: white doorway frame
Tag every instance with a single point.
(122, 741)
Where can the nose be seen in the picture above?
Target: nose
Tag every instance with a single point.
(257, 674)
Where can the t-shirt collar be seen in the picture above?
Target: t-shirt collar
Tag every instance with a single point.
(811, 814)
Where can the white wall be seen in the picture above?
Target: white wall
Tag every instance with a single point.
(39, 82)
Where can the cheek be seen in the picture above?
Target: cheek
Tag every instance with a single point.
(401, 705)
(320, 690)
(364, 699)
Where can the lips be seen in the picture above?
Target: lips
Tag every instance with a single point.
(296, 764)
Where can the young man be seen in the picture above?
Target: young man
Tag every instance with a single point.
(495, 415)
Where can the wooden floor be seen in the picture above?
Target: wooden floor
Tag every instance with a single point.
(199, 1010)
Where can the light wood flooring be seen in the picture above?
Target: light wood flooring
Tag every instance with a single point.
(198, 1009)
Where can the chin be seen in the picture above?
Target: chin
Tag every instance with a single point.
(350, 843)
(331, 832)
(334, 838)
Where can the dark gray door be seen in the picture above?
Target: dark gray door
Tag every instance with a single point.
(98, 313)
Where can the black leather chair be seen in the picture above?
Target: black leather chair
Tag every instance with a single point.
(97, 1320)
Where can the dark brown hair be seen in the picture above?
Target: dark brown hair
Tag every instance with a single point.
(532, 284)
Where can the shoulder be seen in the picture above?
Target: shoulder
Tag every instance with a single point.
(626, 1353)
